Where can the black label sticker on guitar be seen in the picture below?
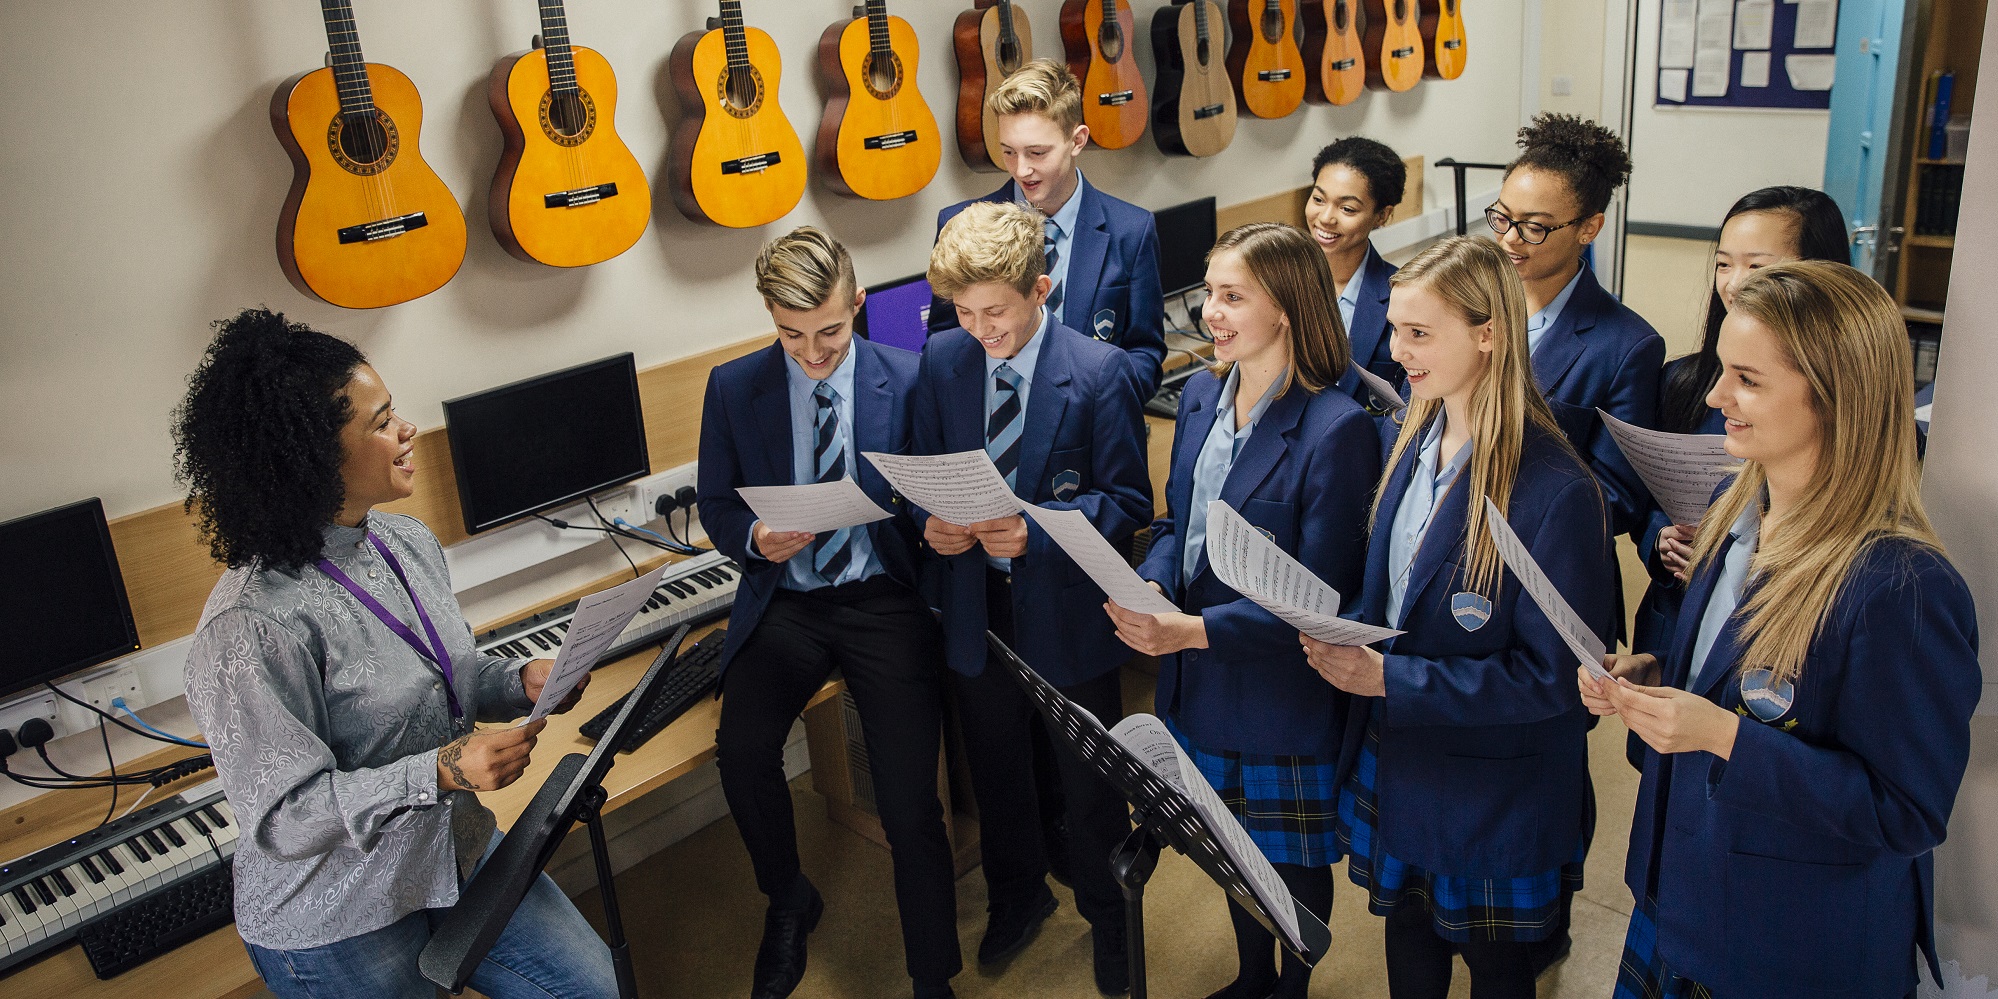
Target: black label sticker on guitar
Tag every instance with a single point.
(1208, 111)
(893, 140)
(1344, 64)
(1273, 75)
(1453, 44)
(1116, 99)
(1402, 53)
(579, 197)
(368, 232)
(753, 164)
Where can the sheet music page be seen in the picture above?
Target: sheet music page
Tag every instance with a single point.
(1681, 470)
(1380, 388)
(813, 508)
(600, 618)
(1078, 537)
(1588, 649)
(963, 488)
(1256, 568)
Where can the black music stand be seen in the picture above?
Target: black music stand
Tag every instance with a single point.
(1162, 815)
(573, 793)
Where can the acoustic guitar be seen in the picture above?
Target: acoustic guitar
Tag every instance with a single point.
(992, 41)
(737, 161)
(1333, 57)
(1393, 45)
(1098, 38)
(1264, 61)
(568, 192)
(367, 223)
(878, 139)
(1443, 41)
(1195, 113)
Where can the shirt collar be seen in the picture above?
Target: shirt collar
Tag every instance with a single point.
(1065, 216)
(1747, 528)
(1233, 383)
(1432, 450)
(1351, 296)
(343, 540)
(1030, 355)
(1551, 313)
(803, 385)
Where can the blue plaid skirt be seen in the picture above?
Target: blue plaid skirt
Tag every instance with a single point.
(1464, 910)
(1287, 803)
(1642, 973)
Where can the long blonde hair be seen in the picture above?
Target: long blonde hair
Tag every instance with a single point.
(1473, 275)
(1292, 269)
(1844, 334)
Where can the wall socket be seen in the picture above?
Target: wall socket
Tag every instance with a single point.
(42, 706)
(98, 691)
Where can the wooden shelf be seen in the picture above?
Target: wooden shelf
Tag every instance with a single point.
(1933, 242)
(1917, 314)
(1925, 161)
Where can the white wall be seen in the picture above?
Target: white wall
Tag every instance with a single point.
(1571, 46)
(143, 184)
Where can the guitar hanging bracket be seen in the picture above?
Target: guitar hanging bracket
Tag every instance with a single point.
(714, 24)
(536, 43)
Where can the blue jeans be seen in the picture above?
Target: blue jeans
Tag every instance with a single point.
(547, 951)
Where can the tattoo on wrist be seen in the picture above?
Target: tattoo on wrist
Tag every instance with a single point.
(451, 757)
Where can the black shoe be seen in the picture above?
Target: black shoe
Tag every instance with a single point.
(1054, 840)
(780, 960)
(1113, 960)
(1550, 952)
(936, 990)
(1009, 928)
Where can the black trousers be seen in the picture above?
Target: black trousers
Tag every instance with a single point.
(997, 718)
(885, 642)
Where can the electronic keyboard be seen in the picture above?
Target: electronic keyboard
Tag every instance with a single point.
(693, 592)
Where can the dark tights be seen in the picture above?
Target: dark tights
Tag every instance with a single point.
(1418, 960)
(1258, 976)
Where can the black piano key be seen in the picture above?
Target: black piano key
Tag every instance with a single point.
(166, 829)
(702, 578)
(153, 840)
(110, 861)
(686, 590)
(62, 883)
(725, 573)
(90, 867)
(194, 819)
(138, 849)
(42, 891)
(215, 815)
(562, 626)
(536, 638)
(25, 897)
(652, 602)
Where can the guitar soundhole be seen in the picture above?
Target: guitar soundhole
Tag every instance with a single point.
(1009, 56)
(1450, 7)
(740, 91)
(1272, 23)
(363, 142)
(1400, 10)
(1110, 41)
(568, 118)
(1341, 17)
(883, 74)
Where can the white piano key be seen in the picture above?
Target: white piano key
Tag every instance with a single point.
(32, 926)
(99, 896)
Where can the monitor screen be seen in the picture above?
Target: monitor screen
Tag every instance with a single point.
(522, 448)
(897, 313)
(1186, 233)
(61, 595)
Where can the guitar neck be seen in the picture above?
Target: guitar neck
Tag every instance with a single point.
(1200, 21)
(733, 39)
(350, 68)
(877, 27)
(1006, 21)
(555, 44)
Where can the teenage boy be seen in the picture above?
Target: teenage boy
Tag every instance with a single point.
(1102, 253)
(1062, 420)
(801, 411)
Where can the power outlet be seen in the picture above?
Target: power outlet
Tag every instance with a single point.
(42, 706)
(98, 691)
(666, 483)
(620, 503)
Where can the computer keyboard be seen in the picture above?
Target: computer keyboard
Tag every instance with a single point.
(159, 921)
(692, 677)
(1165, 402)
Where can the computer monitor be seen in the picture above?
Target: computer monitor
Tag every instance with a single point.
(522, 448)
(61, 596)
(896, 314)
(1186, 233)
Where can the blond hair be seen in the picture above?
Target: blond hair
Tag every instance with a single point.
(1472, 275)
(989, 241)
(1043, 87)
(1843, 333)
(1292, 270)
(803, 269)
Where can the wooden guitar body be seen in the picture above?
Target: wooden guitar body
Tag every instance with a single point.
(1195, 113)
(983, 62)
(878, 139)
(1263, 58)
(1393, 45)
(1115, 104)
(737, 162)
(1443, 41)
(367, 224)
(568, 191)
(1334, 60)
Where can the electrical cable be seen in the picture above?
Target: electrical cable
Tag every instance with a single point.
(105, 734)
(118, 703)
(114, 719)
(614, 537)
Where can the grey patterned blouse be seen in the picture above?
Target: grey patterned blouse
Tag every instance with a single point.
(325, 729)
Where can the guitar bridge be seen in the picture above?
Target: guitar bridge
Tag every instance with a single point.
(389, 228)
(1453, 44)
(1273, 75)
(1117, 98)
(1208, 111)
(1344, 64)
(752, 164)
(579, 197)
(893, 140)
(1402, 53)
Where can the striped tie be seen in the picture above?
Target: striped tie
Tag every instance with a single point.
(1054, 257)
(831, 554)
(1002, 427)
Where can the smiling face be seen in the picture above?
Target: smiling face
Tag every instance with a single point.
(375, 446)
(1041, 158)
(1000, 318)
(1445, 356)
(1530, 195)
(1767, 402)
(1248, 325)
(817, 340)
(1750, 242)
(1341, 210)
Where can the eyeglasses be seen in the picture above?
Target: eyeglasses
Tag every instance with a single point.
(1532, 232)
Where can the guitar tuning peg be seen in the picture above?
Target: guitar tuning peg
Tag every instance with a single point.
(536, 42)
(714, 24)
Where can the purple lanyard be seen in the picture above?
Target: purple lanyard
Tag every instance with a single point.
(435, 651)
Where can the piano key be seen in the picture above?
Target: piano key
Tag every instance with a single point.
(22, 927)
(562, 626)
(536, 638)
(194, 819)
(91, 870)
(94, 896)
(62, 882)
(109, 861)
(43, 893)
(25, 897)
(173, 835)
(651, 602)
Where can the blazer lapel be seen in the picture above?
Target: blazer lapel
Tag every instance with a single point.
(1260, 453)
(871, 405)
(1370, 312)
(770, 394)
(1045, 405)
(964, 393)
(1439, 542)
(1088, 246)
(1396, 487)
(1194, 426)
(1686, 630)
(1562, 345)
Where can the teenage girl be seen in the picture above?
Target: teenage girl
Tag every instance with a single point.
(1356, 184)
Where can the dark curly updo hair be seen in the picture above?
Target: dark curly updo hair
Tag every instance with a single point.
(257, 440)
(1588, 156)
(1387, 176)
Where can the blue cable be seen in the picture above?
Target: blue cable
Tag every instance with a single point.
(674, 546)
(119, 703)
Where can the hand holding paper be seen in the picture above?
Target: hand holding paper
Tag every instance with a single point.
(600, 618)
(1681, 470)
(963, 488)
(1256, 568)
(1072, 530)
(1581, 640)
(814, 508)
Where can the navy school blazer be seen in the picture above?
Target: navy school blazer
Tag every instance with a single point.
(746, 441)
(1601, 355)
(1084, 419)
(1658, 612)
(1802, 866)
(1369, 335)
(1483, 767)
(1114, 254)
(1306, 476)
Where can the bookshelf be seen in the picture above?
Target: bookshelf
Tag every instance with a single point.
(1949, 44)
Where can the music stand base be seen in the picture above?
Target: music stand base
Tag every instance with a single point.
(1131, 865)
(591, 814)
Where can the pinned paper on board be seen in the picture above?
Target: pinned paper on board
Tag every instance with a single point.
(1672, 85)
(1817, 24)
(1676, 23)
(1754, 24)
(1713, 48)
(1810, 72)
(1755, 69)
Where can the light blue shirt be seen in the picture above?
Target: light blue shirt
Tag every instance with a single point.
(1217, 458)
(1349, 300)
(798, 571)
(1064, 220)
(1746, 532)
(1540, 322)
(1022, 364)
(1427, 486)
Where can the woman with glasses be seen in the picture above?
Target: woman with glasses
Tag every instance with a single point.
(1356, 184)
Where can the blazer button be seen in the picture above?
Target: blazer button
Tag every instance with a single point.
(1192, 656)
